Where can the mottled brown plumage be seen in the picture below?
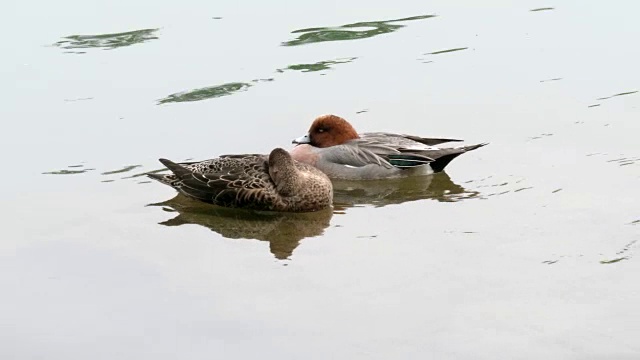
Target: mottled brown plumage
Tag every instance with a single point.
(275, 182)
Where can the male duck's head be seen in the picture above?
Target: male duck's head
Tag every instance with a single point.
(328, 130)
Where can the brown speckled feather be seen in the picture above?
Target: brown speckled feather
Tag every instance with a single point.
(244, 181)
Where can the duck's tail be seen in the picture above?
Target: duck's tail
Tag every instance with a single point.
(442, 157)
(170, 179)
(177, 169)
(192, 184)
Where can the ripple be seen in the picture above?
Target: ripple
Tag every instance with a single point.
(206, 93)
(262, 80)
(145, 173)
(501, 187)
(624, 161)
(618, 94)
(537, 137)
(613, 261)
(542, 9)
(78, 99)
(620, 255)
(355, 31)
(446, 51)
(123, 170)
(107, 41)
(523, 189)
(66, 172)
(77, 169)
(550, 262)
(319, 66)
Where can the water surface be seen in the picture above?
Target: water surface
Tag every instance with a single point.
(525, 249)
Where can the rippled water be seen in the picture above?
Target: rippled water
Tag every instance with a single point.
(524, 249)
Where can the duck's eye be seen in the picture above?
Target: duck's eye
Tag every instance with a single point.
(320, 130)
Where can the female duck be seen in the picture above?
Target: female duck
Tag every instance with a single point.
(333, 146)
(275, 182)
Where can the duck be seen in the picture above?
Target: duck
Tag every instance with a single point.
(335, 147)
(274, 182)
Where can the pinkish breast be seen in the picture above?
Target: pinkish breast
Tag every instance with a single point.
(305, 153)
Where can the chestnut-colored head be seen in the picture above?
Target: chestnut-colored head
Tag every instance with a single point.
(328, 130)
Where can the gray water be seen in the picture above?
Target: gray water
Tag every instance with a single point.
(524, 249)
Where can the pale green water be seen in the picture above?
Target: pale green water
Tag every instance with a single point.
(525, 249)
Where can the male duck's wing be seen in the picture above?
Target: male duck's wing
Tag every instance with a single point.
(362, 152)
(430, 141)
(414, 148)
(353, 154)
(405, 142)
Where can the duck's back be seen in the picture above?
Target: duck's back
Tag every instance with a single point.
(230, 181)
(243, 181)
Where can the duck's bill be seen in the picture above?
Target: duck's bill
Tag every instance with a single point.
(302, 140)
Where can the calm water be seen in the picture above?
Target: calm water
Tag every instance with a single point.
(525, 249)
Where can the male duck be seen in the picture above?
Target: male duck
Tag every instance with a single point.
(333, 146)
(275, 182)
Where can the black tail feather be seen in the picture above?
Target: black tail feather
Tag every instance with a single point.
(442, 161)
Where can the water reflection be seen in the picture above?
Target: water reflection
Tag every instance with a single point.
(319, 66)
(235, 87)
(380, 193)
(107, 41)
(283, 231)
(206, 93)
(355, 31)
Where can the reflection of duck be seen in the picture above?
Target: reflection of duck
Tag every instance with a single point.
(283, 231)
(438, 187)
